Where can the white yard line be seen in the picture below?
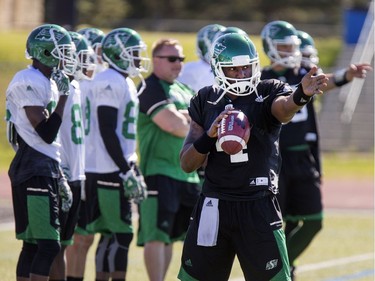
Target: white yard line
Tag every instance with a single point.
(335, 262)
(327, 264)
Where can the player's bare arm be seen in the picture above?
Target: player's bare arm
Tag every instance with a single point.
(284, 107)
(347, 75)
(172, 121)
(190, 158)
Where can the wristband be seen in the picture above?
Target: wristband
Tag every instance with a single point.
(339, 78)
(299, 97)
(204, 143)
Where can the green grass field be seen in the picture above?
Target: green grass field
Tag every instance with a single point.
(342, 251)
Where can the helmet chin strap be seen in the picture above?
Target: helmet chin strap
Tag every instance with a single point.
(143, 84)
(259, 98)
(219, 98)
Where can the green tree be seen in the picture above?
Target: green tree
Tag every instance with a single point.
(107, 13)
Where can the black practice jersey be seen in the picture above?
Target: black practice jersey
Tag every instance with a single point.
(296, 131)
(254, 169)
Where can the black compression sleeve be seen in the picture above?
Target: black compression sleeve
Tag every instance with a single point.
(48, 128)
(107, 117)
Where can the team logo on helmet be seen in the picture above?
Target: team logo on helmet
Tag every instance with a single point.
(273, 30)
(49, 34)
(219, 48)
(91, 36)
(117, 38)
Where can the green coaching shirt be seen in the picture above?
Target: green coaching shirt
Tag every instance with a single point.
(159, 150)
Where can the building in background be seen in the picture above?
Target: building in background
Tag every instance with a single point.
(21, 14)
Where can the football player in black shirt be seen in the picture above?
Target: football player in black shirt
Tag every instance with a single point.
(239, 191)
(292, 54)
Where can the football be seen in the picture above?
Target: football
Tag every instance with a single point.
(234, 132)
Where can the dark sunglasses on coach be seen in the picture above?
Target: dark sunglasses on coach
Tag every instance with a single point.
(172, 58)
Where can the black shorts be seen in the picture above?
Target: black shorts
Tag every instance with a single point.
(69, 219)
(165, 214)
(83, 211)
(299, 183)
(108, 210)
(252, 230)
(36, 209)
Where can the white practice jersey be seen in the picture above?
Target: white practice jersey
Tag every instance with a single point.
(197, 74)
(110, 88)
(84, 85)
(29, 87)
(71, 136)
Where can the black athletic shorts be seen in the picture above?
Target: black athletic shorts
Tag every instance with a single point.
(252, 230)
(165, 214)
(299, 184)
(69, 219)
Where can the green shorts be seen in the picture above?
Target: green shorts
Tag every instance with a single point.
(36, 209)
(108, 210)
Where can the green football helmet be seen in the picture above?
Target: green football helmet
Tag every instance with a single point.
(231, 29)
(205, 38)
(308, 50)
(52, 46)
(84, 56)
(232, 50)
(125, 51)
(281, 33)
(95, 37)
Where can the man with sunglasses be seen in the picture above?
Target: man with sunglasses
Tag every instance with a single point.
(162, 126)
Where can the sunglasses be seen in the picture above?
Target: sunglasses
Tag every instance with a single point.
(172, 58)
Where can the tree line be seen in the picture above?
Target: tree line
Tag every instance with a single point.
(112, 13)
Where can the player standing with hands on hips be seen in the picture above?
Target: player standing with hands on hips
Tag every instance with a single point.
(239, 190)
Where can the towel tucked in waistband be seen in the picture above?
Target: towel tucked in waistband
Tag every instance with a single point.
(208, 223)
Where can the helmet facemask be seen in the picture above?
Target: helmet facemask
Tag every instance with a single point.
(290, 59)
(309, 56)
(85, 67)
(65, 54)
(238, 86)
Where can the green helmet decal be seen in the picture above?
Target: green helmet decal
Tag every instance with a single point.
(94, 35)
(205, 38)
(51, 45)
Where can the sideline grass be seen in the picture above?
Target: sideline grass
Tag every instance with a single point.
(345, 234)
